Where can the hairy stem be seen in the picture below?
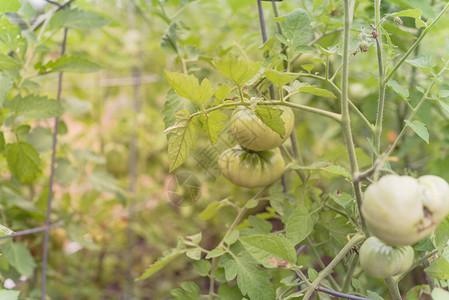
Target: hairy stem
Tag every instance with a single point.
(346, 119)
(328, 270)
(393, 288)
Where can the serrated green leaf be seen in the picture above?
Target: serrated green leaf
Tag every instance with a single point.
(442, 235)
(251, 279)
(34, 106)
(444, 105)
(232, 237)
(412, 13)
(296, 28)
(439, 268)
(401, 91)
(222, 92)
(5, 230)
(19, 257)
(7, 62)
(23, 161)
(183, 136)
(77, 19)
(194, 254)
(422, 62)
(5, 86)
(420, 129)
(271, 116)
(264, 248)
(279, 78)
(215, 253)
(175, 104)
(189, 291)
(374, 295)
(212, 209)
(9, 6)
(313, 90)
(239, 70)
(168, 41)
(202, 267)
(70, 64)
(187, 86)
(312, 274)
(213, 124)
(9, 295)
(161, 262)
(300, 224)
(338, 170)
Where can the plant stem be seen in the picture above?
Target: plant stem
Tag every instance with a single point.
(328, 270)
(413, 113)
(381, 99)
(421, 37)
(338, 91)
(352, 264)
(238, 218)
(393, 288)
(346, 119)
(335, 285)
(51, 180)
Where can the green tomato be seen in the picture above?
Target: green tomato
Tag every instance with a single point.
(253, 134)
(380, 260)
(249, 168)
(401, 210)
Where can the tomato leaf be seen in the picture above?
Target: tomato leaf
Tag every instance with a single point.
(422, 62)
(420, 129)
(167, 257)
(263, 248)
(9, 6)
(401, 91)
(442, 235)
(9, 295)
(213, 124)
(439, 268)
(34, 106)
(300, 224)
(77, 19)
(183, 136)
(251, 279)
(7, 62)
(68, 63)
(187, 86)
(18, 256)
(239, 70)
(296, 27)
(279, 78)
(212, 209)
(168, 41)
(411, 13)
(222, 92)
(175, 104)
(23, 161)
(271, 116)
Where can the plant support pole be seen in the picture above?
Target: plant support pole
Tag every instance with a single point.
(51, 181)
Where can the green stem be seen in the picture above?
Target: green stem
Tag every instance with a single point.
(338, 91)
(377, 11)
(393, 288)
(352, 265)
(381, 99)
(421, 37)
(346, 120)
(413, 113)
(328, 270)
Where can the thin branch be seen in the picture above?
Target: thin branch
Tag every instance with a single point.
(51, 181)
(54, 3)
(330, 267)
(32, 231)
(412, 48)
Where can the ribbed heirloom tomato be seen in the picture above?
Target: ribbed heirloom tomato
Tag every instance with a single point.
(401, 210)
(380, 260)
(249, 168)
(253, 134)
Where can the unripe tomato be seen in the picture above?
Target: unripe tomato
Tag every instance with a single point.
(59, 236)
(249, 168)
(401, 210)
(253, 134)
(380, 260)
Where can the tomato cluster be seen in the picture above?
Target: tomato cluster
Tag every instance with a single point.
(256, 161)
(399, 211)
